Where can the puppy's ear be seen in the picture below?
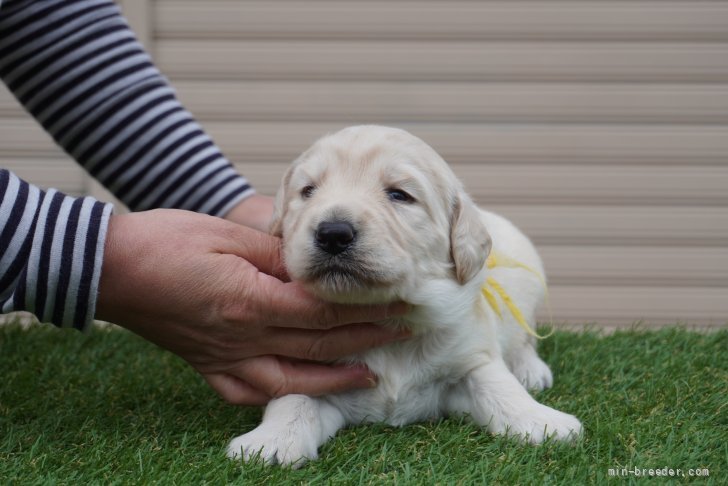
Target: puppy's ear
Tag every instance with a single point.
(469, 240)
(279, 206)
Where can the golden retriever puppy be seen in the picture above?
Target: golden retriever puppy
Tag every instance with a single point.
(372, 215)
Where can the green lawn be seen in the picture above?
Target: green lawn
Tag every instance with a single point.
(108, 408)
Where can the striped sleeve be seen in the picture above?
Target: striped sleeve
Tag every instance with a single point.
(78, 69)
(52, 248)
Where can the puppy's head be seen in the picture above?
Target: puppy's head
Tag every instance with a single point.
(368, 212)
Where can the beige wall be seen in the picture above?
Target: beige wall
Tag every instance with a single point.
(600, 127)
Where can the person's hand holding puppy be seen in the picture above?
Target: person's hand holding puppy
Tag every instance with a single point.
(216, 294)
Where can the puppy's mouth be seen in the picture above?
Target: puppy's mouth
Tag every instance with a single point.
(342, 277)
(335, 270)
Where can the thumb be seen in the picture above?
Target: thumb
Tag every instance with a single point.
(260, 249)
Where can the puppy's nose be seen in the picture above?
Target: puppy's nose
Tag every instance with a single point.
(335, 237)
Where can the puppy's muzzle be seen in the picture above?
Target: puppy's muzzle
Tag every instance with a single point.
(334, 237)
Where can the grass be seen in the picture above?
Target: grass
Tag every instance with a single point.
(109, 408)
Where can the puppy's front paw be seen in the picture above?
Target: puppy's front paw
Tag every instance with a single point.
(540, 423)
(273, 445)
(531, 371)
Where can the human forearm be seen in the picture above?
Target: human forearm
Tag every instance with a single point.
(255, 211)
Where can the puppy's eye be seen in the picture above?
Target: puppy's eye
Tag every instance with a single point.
(399, 195)
(307, 192)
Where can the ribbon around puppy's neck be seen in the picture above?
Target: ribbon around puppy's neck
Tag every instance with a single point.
(491, 288)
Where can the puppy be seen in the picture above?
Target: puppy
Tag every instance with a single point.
(374, 215)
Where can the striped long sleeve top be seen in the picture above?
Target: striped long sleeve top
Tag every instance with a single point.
(79, 71)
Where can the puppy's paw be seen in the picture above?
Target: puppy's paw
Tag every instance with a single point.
(539, 423)
(531, 371)
(273, 445)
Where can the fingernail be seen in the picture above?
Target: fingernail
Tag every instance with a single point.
(369, 379)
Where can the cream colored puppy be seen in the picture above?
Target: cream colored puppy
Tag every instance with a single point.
(372, 215)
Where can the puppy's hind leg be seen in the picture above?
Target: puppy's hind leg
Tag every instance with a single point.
(293, 428)
(494, 398)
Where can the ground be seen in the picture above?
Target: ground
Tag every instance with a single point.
(109, 408)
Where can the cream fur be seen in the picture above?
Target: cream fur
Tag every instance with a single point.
(463, 358)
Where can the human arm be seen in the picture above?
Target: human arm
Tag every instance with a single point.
(79, 70)
(255, 212)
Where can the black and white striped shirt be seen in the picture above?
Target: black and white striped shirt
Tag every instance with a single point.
(79, 70)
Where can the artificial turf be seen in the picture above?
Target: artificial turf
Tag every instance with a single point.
(109, 408)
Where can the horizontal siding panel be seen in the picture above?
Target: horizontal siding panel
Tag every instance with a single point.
(620, 226)
(9, 106)
(457, 143)
(538, 183)
(536, 20)
(637, 265)
(596, 184)
(61, 174)
(25, 138)
(623, 306)
(396, 102)
(479, 143)
(461, 61)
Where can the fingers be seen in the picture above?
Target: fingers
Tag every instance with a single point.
(334, 343)
(327, 316)
(292, 306)
(256, 381)
(234, 390)
(275, 377)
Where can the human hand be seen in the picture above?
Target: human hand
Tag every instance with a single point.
(215, 293)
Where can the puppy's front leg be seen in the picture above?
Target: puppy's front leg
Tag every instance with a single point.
(495, 399)
(293, 428)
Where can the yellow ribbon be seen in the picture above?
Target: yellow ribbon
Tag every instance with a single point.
(496, 259)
